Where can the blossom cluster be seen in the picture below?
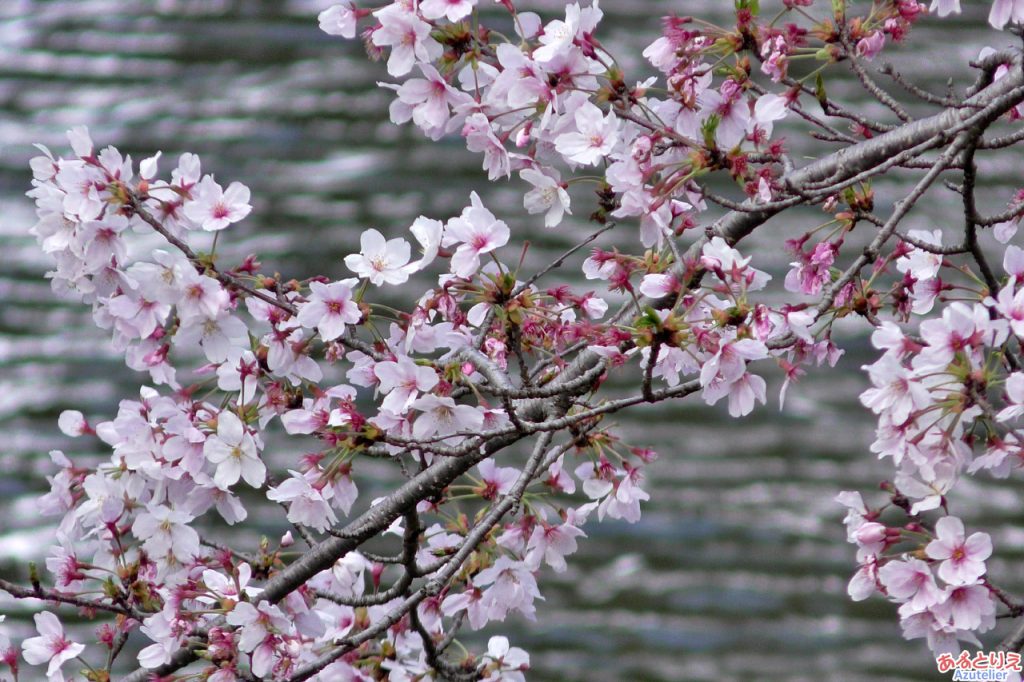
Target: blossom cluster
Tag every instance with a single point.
(935, 397)
(486, 356)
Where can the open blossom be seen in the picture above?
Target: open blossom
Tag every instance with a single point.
(199, 296)
(862, 584)
(306, 502)
(50, 646)
(339, 20)
(442, 417)
(1004, 12)
(380, 260)
(480, 138)
(729, 106)
(426, 101)
(496, 480)
(812, 272)
(453, 10)
(513, 587)
(233, 450)
(402, 382)
(730, 265)
(594, 139)
(510, 661)
(547, 196)
(219, 336)
(968, 608)
(407, 35)
(920, 263)
(963, 559)
(428, 233)
(330, 307)
(1015, 396)
(911, 581)
(552, 544)
(214, 208)
(743, 394)
(161, 629)
(1011, 306)
(259, 626)
(898, 392)
(559, 35)
(165, 532)
(476, 232)
(945, 7)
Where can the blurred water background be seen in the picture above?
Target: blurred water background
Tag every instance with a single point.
(739, 566)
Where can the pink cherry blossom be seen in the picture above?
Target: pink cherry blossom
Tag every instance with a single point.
(1015, 395)
(863, 583)
(552, 544)
(547, 196)
(512, 587)
(1011, 306)
(407, 35)
(453, 10)
(165, 533)
(234, 452)
(380, 260)
(511, 661)
(912, 581)
(968, 608)
(440, 416)
(496, 480)
(476, 232)
(330, 308)
(50, 646)
(339, 20)
(480, 138)
(559, 35)
(595, 137)
(427, 102)
(963, 559)
(214, 208)
(945, 7)
(1004, 12)
(306, 502)
(402, 382)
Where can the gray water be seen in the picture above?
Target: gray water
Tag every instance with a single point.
(738, 568)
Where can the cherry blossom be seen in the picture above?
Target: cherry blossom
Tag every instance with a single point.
(407, 35)
(50, 646)
(911, 581)
(494, 352)
(214, 208)
(339, 20)
(595, 137)
(330, 308)
(476, 232)
(453, 10)
(963, 559)
(441, 417)
(547, 196)
(380, 260)
(234, 452)
(510, 661)
(402, 382)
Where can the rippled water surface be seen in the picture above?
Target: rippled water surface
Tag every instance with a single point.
(738, 569)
